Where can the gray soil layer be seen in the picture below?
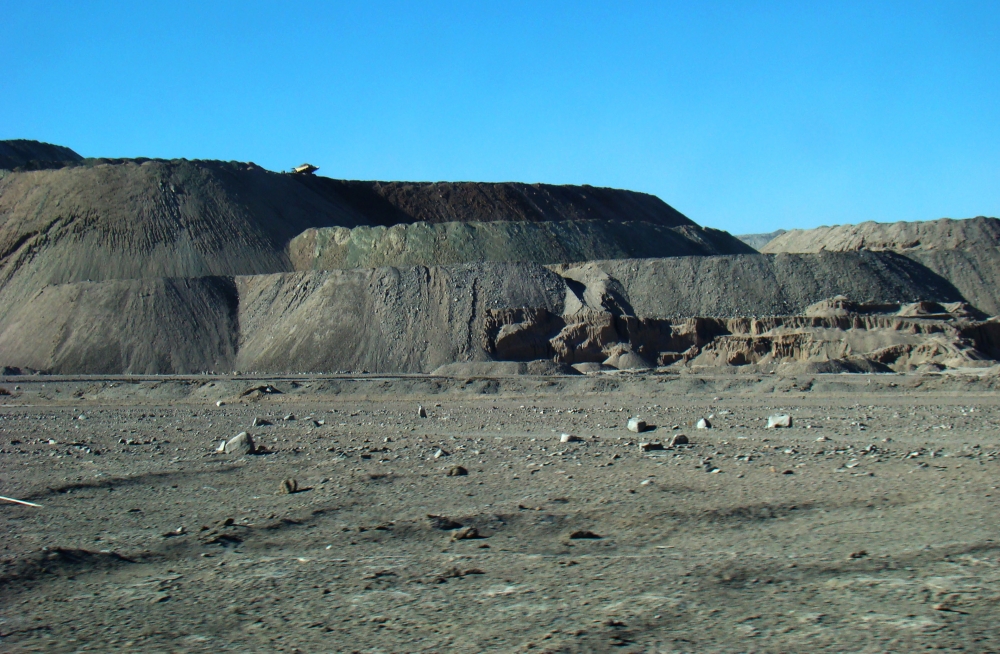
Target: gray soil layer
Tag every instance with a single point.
(943, 234)
(545, 242)
(869, 525)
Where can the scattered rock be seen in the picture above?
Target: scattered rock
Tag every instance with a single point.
(636, 425)
(788, 472)
(220, 403)
(440, 453)
(458, 471)
(222, 447)
(569, 438)
(860, 554)
(649, 447)
(421, 412)
(443, 523)
(583, 533)
(240, 444)
(679, 439)
(703, 423)
(465, 533)
(289, 486)
(260, 422)
(290, 416)
(779, 420)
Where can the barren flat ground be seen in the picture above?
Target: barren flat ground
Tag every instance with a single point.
(870, 525)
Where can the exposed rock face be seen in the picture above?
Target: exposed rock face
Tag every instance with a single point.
(465, 242)
(34, 155)
(943, 234)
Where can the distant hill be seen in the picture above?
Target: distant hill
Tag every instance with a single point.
(757, 241)
(943, 234)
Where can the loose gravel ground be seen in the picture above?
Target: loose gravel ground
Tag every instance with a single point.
(869, 525)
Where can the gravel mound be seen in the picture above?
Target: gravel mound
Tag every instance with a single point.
(943, 234)
(22, 153)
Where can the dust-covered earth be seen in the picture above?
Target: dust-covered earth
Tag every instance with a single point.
(869, 525)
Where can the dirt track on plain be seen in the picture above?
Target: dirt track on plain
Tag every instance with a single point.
(870, 525)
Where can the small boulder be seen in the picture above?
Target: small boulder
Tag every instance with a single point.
(569, 438)
(649, 447)
(636, 425)
(220, 403)
(289, 486)
(465, 533)
(421, 412)
(679, 439)
(458, 471)
(779, 421)
(583, 533)
(703, 423)
(440, 453)
(240, 444)
(260, 422)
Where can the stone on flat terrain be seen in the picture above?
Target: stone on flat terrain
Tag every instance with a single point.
(703, 423)
(569, 438)
(779, 420)
(240, 444)
(636, 425)
(679, 439)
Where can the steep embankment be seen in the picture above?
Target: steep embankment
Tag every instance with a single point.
(146, 326)
(151, 219)
(466, 242)
(943, 234)
(22, 153)
(759, 285)
(415, 319)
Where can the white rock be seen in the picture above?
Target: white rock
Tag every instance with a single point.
(220, 403)
(779, 420)
(440, 453)
(703, 424)
(637, 425)
(421, 412)
(222, 447)
(569, 438)
(240, 444)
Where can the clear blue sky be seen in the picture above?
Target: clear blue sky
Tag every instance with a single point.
(746, 116)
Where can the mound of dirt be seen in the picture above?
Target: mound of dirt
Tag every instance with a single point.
(152, 219)
(148, 326)
(390, 203)
(104, 219)
(943, 234)
(465, 242)
(34, 155)
(761, 285)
